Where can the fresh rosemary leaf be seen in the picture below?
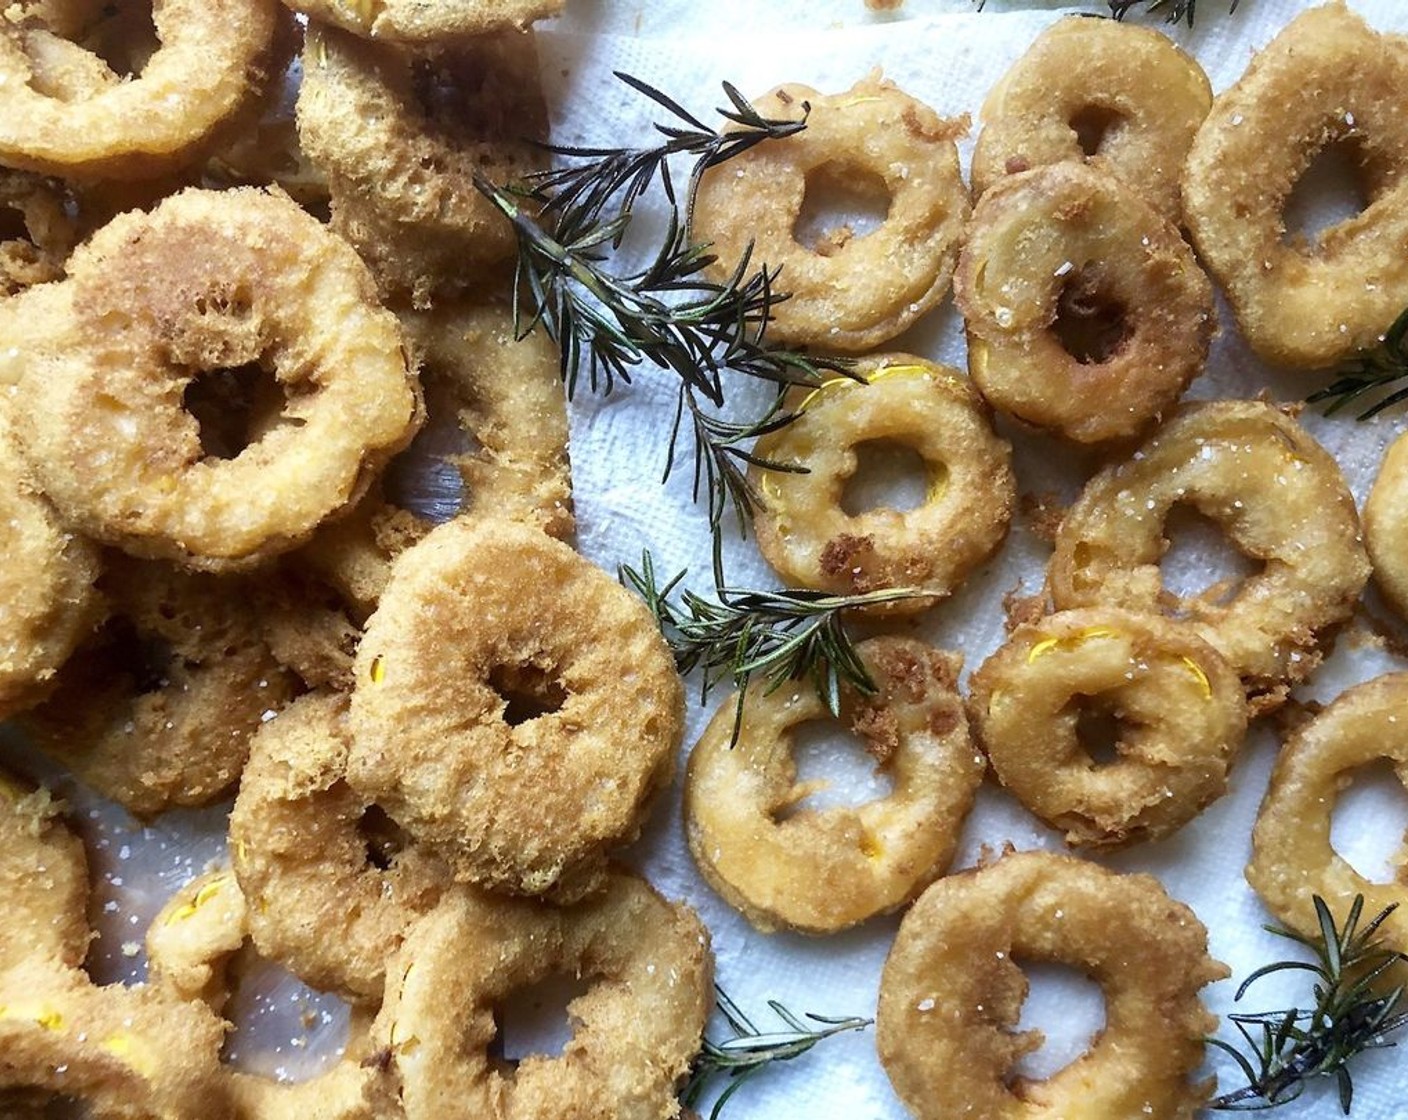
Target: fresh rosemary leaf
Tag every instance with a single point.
(1369, 372)
(1176, 10)
(779, 636)
(750, 1050)
(1281, 1051)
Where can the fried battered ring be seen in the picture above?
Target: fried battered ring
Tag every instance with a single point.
(215, 56)
(1293, 858)
(1181, 713)
(1124, 99)
(417, 22)
(1327, 78)
(471, 953)
(1069, 244)
(1279, 497)
(849, 294)
(804, 531)
(38, 254)
(47, 601)
(1386, 523)
(402, 135)
(210, 281)
(320, 906)
(820, 871)
(484, 617)
(951, 994)
(191, 945)
(158, 709)
(131, 1053)
(43, 880)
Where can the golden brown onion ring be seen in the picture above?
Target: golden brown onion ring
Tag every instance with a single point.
(1326, 79)
(1087, 314)
(1281, 500)
(819, 871)
(1123, 99)
(515, 707)
(43, 880)
(1179, 707)
(951, 993)
(848, 293)
(803, 528)
(417, 22)
(1386, 525)
(1293, 859)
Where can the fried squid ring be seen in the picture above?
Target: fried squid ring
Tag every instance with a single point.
(326, 906)
(637, 950)
(847, 293)
(505, 682)
(213, 60)
(1281, 500)
(1386, 525)
(401, 137)
(129, 1053)
(43, 880)
(951, 993)
(803, 528)
(47, 601)
(1087, 314)
(1123, 99)
(1293, 858)
(37, 233)
(1179, 708)
(1326, 79)
(208, 282)
(158, 709)
(416, 22)
(819, 871)
(191, 946)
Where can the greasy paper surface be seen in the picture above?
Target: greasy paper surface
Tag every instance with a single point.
(948, 56)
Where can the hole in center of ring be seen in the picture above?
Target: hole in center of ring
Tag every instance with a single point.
(1094, 125)
(1099, 729)
(834, 768)
(233, 407)
(534, 1021)
(13, 226)
(1091, 323)
(1330, 191)
(1377, 851)
(1067, 1007)
(528, 692)
(1200, 562)
(841, 203)
(384, 838)
(123, 36)
(146, 658)
(888, 475)
(281, 1029)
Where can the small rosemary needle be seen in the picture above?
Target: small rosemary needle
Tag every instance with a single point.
(1369, 371)
(1283, 1050)
(750, 1050)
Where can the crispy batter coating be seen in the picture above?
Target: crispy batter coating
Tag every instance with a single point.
(1121, 98)
(128, 1053)
(1293, 858)
(1386, 523)
(515, 707)
(951, 993)
(1178, 705)
(43, 880)
(158, 708)
(322, 903)
(634, 1030)
(64, 112)
(47, 601)
(238, 281)
(804, 529)
(402, 135)
(427, 22)
(1326, 79)
(849, 293)
(1087, 314)
(1281, 500)
(819, 871)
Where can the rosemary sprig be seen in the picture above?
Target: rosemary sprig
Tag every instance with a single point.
(780, 635)
(1369, 371)
(569, 220)
(1285, 1049)
(750, 1050)
(1177, 9)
